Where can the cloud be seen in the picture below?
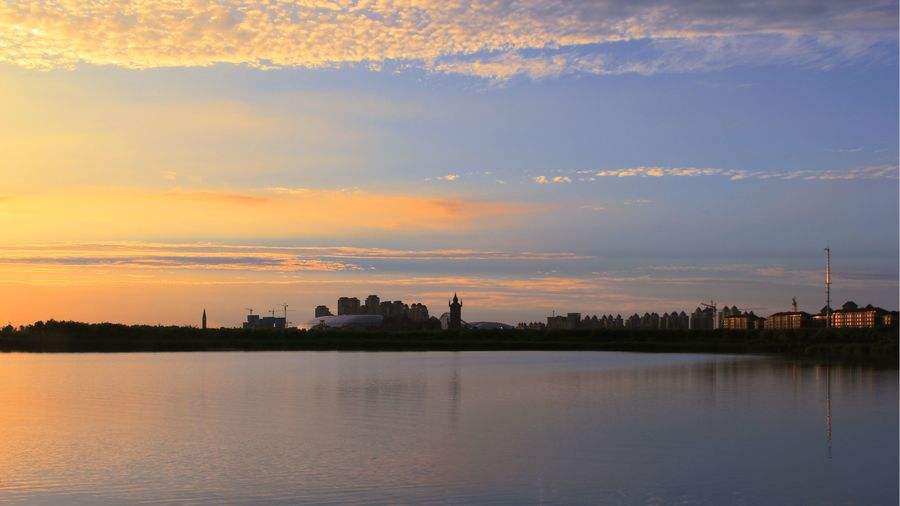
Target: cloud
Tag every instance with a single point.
(873, 172)
(683, 53)
(506, 65)
(328, 252)
(485, 38)
(127, 252)
(175, 258)
(121, 213)
(450, 177)
(218, 257)
(552, 180)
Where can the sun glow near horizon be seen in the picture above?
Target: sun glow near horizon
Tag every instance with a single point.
(157, 157)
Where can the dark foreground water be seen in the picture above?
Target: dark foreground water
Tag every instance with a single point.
(492, 427)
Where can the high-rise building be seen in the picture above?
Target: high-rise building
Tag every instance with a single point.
(418, 312)
(633, 322)
(703, 318)
(725, 313)
(742, 321)
(373, 305)
(398, 310)
(348, 305)
(455, 322)
(556, 322)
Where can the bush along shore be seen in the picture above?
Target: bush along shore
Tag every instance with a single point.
(860, 346)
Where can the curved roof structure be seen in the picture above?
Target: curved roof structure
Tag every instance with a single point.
(343, 321)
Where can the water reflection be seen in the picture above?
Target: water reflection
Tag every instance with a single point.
(828, 408)
(443, 427)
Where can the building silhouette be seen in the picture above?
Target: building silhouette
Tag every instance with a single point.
(703, 318)
(255, 321)
(373, 305)
(455, 321)
(725, 313)
(790, 320)
(852, 316)
(674, 321)
(417, 312)
(391, 314)
(570, 321)
(203, 320)
(348, 305)
(742, 321)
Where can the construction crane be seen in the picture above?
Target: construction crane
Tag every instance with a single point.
(249, 309)
(794, 303)
(712, 305)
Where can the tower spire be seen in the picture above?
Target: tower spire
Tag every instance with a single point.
(828, 287)
(455, 322)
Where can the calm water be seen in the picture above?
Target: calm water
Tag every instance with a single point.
(493, 427)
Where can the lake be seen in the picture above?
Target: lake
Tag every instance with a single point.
(466, 427)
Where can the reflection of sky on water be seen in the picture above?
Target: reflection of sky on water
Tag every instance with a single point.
(458, 427)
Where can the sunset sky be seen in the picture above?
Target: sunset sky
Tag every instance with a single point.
(158, 158)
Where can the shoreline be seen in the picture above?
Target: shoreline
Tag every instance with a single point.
(871, 347)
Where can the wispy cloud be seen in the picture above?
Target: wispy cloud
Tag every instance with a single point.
(324, 258)
(249, 262)
(552, 180)
(117, 213)
(875, 172)
(484, 38)
(450, 177)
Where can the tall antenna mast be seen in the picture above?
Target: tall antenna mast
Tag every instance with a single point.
(285, 306)
(827, 287)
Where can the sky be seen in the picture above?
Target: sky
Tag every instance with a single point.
(159, 158)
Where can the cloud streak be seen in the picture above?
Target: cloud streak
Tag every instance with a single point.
(209, 256)
(117, 213)
(552, 180)
(874, 172)
(495, 40)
